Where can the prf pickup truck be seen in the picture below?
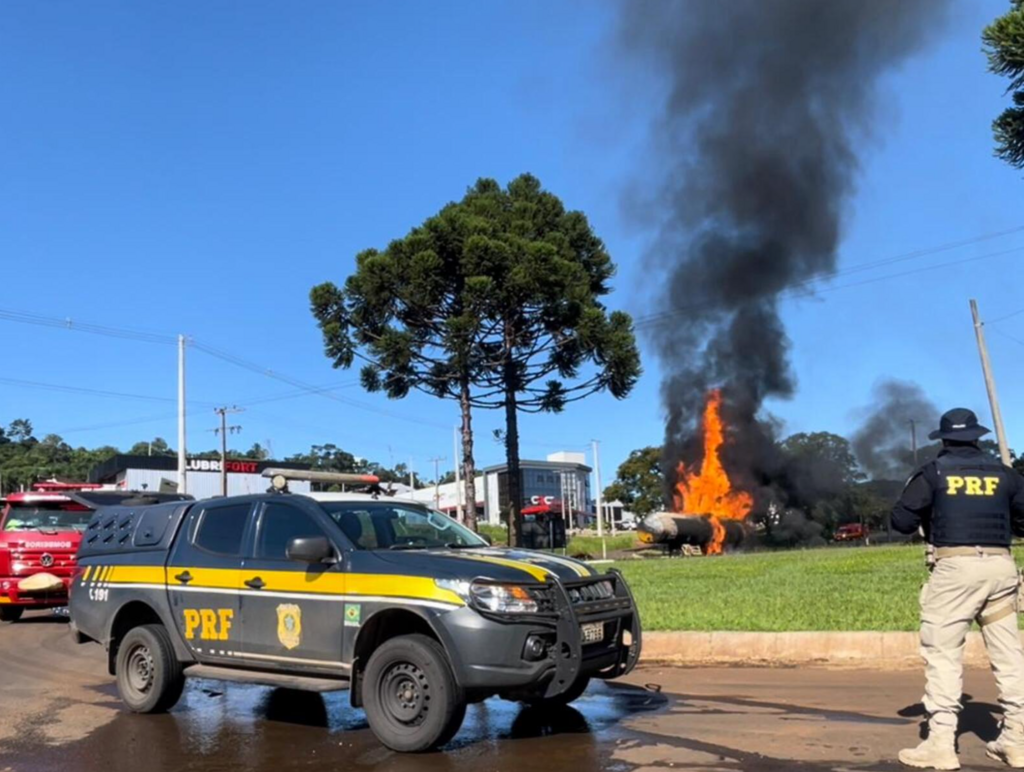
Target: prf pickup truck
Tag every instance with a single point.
(414, 613)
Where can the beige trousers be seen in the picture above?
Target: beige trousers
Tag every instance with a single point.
(961, 590)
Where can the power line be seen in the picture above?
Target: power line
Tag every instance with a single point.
(92, 392)
(913, 255)
(269, 373)
(124, 333)
(149, 397)
(653, 320)
(1016, 340)
(1005, 317)
(115, 424)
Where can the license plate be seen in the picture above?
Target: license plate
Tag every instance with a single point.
(592, 633)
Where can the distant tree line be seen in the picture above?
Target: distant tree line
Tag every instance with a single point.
(25, 459)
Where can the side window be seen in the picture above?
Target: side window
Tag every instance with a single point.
(220, 529)
(279, 525)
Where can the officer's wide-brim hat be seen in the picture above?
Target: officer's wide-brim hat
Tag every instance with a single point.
(959, 424)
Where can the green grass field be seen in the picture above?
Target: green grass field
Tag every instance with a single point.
(874, 588)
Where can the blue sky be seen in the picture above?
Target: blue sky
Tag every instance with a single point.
(197, 167)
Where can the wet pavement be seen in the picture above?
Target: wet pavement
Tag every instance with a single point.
(59, 711)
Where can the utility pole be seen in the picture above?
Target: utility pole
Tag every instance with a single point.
(437, 480)
(458, 477)
(600, 502)
(412, 476)
(990, 385)
(182, 475)
(913, 440)
(223, 431)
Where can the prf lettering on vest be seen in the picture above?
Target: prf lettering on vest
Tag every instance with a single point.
(211, 624)
(971, 486)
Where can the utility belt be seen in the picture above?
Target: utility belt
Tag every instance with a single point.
(996, 609)
(974, 552)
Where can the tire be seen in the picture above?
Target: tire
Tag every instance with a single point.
(571, 694)
(149, 676)
(11, 613)
(410, 695)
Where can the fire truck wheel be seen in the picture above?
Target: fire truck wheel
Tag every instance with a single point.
(10, 613)
(412, 700)
(571, 694)
(149, 676)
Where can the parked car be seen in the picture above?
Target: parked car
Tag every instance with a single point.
(852, 532)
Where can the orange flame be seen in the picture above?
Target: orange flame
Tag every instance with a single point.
(709, 491)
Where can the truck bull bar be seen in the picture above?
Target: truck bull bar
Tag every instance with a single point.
(565, 618)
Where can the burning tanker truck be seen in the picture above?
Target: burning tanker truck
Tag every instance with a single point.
(675, 531)
(709, 512)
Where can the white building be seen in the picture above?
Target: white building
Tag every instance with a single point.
(160, 473)
(449, 496)
(563, 476)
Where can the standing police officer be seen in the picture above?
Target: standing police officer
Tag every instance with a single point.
(969, 506)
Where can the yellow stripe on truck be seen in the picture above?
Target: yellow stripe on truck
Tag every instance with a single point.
(136, 575)
(382, 585)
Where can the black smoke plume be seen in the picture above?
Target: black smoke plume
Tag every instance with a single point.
(767, 106)
(882, 443)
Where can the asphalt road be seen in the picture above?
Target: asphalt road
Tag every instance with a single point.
(59, 711)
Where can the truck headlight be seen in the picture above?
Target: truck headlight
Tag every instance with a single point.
(504, 598)
(498, 598)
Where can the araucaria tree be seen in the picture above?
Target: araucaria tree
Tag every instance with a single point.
(1004, 46)
(495, 302)
(407, 315)
(536, 273)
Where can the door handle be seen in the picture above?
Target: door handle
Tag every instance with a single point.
(256, 583)
(184, 577)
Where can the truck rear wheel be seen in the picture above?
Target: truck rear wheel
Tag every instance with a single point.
(412, 700)
(571, 694)
(10, 613)
(149, 676)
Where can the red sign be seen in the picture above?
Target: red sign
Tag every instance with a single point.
(213, 465)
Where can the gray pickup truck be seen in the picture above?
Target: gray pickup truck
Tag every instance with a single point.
(415, 614)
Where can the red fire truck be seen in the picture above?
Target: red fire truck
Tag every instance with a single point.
(39, 535)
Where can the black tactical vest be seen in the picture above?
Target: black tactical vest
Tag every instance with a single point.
(972, 502)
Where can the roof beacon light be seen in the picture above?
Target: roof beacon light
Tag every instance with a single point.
(279, 477)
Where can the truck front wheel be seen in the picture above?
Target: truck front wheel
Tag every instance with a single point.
(10, 613)
(149, 676)
(412, 700)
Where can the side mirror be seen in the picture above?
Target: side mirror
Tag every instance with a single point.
(486, 538)
(310, 549)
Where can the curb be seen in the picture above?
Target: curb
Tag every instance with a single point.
(892, 650)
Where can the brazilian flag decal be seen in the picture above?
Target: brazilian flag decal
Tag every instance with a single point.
(353, 614)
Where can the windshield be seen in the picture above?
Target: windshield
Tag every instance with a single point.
(385, 525)
(58, 517)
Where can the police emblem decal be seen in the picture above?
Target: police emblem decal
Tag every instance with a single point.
(289, 625)
(353, 614)
(46, 560)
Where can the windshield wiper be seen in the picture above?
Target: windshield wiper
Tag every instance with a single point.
(407, 547)
(457, 546)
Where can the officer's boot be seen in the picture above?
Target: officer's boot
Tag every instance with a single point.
(1009, 746)
(937, 752)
